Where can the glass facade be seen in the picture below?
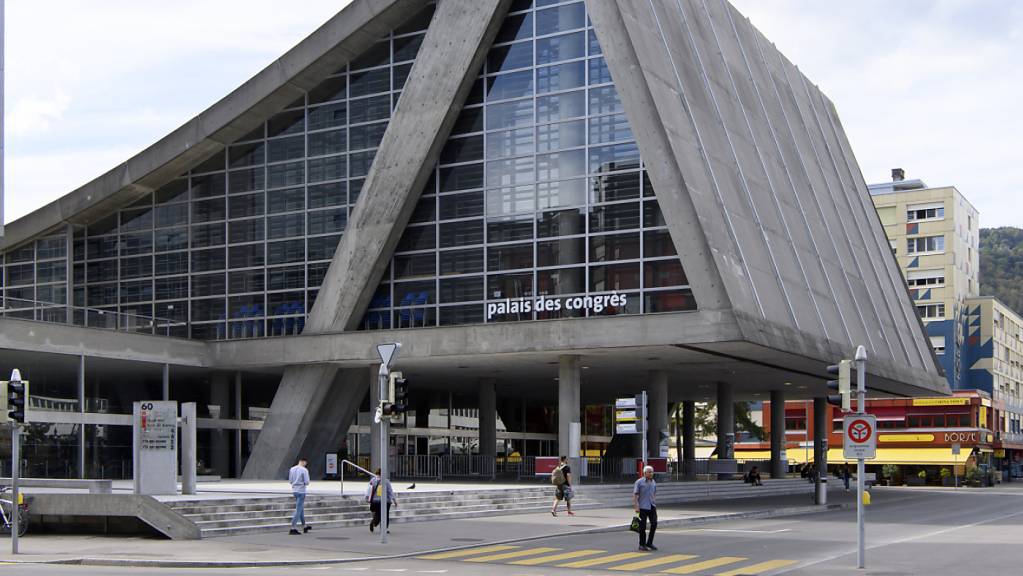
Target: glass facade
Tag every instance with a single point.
(539, 207)
(539, 192)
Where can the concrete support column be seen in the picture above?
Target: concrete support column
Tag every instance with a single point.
(568, 407)
(238, 438)
(726, 421)
(779, 465)
(81, 410)
(220, 396)
(657, 404)
(488, 417)
(689, 439)
(374, 428)
(166, 381)
(188, 447)
(820, 448)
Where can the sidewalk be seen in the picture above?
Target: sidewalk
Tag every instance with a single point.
(348, 544)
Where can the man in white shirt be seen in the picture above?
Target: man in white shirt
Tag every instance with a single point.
(298, 477)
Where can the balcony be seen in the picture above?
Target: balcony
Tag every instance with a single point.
(53, 313)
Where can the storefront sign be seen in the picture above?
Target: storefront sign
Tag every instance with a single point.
(595, 304)
(888, 438)
(941, 401)
(962, 437)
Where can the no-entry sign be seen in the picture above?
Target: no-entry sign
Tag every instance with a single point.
(860, 437)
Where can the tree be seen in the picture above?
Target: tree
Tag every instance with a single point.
(707, 421)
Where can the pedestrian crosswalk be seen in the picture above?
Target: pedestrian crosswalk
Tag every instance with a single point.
(646, 562)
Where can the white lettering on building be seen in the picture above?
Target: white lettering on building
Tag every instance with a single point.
(595, 304)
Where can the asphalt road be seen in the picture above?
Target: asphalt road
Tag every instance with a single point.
(909, 532)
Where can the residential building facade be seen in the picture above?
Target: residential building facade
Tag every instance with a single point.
(935, 236)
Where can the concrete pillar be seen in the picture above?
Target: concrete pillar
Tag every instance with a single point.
(568, 407)
(166, 381)
(81, 410)
(657, 403)
(779, 465)
(374, 428)
(689, 439)
(820, 448)
(334, 417)
(188, 447)
(239, 417)
(488, 417)
(220, 397)
(726, 421)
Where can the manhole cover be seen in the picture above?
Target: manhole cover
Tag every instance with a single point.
(333, 538)
(466, 539)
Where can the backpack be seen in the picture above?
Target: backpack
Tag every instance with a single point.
(558, 476)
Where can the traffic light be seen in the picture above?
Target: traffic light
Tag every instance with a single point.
(396, 403)
(843, 385)
(17, 395)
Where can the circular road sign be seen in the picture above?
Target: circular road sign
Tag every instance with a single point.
(860, 431)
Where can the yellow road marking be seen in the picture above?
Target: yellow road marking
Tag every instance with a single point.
(602, 560)
(470, 552)
(655, 561)
(757, 568)
(713, 563)
(509, 555)
(556, 557)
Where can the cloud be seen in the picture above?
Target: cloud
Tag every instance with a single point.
(931, 87)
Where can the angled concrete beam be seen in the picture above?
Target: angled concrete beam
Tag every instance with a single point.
(449, 60)
(452, 53)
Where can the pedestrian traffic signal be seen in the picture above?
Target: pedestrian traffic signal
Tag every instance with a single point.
(15, 392)
(843, 385)
(397, 395)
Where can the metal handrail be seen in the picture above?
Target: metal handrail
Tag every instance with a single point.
(123, 321)
(341, 469)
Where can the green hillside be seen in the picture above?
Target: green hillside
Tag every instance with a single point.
(1001, 265)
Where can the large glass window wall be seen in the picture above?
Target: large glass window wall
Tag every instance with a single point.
(238, 246)
(540, 196)
(540, 191)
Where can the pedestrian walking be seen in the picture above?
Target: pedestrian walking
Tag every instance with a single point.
(561, 477)
(374, 495)
(845, 476)
(644, 501)
(298, 477)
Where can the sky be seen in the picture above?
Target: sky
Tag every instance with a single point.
(928, 86)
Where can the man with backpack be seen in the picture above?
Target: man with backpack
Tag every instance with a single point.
(561, 477)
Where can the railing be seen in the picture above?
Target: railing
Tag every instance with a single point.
(341, 471)
(54, 313)
(467, 466)
(415, 466)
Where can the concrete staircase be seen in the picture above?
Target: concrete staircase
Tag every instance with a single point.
(234, 516)
(230, 517)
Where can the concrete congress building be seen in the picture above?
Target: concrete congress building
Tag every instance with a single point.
(550, 204)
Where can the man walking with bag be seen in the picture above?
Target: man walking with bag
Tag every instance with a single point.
(298, 477)
(561, 477)
(644, 496)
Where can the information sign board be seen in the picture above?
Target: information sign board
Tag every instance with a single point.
(155, 435)
(860, 437)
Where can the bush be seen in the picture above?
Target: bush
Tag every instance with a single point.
(946, 473)
(890, 471)
(922, 474)
(973, 474)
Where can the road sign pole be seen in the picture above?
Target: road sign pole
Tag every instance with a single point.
(15, 470)
(861, 408)
(384, 457)
(642, 401)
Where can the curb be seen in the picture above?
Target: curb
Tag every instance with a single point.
(666, 523)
